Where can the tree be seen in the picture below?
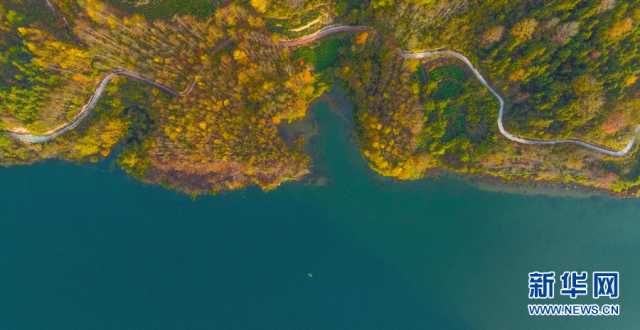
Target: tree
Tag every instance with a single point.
(524, 29)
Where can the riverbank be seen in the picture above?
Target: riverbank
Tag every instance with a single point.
(92, 249)
(341, 107)
(409, 171)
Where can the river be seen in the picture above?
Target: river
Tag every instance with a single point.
(85, 247)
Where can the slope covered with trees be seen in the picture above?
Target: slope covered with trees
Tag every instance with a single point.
(567, 68)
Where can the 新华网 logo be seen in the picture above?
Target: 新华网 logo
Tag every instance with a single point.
(574, 285)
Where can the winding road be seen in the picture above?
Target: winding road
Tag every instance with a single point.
(503, 131)
(89, 107)
(307, 39)
(322, 33)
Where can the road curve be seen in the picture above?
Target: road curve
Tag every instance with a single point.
(307, 39)
(324, 32)
(503, 131)
(328, 30)
(88, 108)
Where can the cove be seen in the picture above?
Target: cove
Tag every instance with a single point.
(85, 247)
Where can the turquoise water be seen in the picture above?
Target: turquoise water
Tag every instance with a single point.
(85, 247)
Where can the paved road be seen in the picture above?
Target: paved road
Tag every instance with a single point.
(324, 32)
(310, 38)
(503, 131)
(88, 108)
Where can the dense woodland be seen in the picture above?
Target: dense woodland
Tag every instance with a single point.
(568, 69)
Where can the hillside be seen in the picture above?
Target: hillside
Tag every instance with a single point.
(211, 84)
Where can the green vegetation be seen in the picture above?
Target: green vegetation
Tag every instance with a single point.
(568, 68)
(165, 9)
(322, 56)
(460, 116)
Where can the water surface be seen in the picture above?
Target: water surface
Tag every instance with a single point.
(85, 247)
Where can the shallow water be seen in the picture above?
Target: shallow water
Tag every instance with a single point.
(85, 247)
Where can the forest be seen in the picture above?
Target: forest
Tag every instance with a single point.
(567, 68)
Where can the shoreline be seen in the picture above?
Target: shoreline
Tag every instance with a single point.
(489, 183)
(337, 100)
(482, 181)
